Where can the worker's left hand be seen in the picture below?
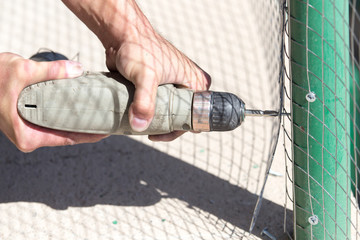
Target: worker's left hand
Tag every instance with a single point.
(15, 74)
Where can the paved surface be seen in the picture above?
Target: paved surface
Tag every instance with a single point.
(201, 186)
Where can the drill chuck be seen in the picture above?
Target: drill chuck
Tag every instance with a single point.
(217, 111)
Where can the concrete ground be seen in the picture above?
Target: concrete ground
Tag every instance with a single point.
(200, 186)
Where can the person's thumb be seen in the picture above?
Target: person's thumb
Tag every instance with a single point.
(142, 108)
(42, 71)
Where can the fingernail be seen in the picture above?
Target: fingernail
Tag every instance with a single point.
(74, 69)
(138, 124)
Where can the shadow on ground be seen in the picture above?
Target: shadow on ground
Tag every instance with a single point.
(122, 172)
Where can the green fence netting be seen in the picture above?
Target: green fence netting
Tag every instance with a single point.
(325, 117)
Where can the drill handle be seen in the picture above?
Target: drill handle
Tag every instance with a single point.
(99, 103)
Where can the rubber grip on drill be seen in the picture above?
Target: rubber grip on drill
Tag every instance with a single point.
(227, 112)
(98, 103)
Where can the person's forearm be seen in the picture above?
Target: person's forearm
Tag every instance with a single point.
(142, 56)
(110, 20)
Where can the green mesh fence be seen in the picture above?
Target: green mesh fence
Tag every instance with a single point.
(325, 118)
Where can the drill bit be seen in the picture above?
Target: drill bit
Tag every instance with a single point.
(261, 113)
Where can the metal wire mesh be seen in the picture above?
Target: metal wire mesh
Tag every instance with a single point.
(201, 186)
(322, 149)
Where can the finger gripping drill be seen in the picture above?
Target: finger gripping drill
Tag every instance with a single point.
(99, 103)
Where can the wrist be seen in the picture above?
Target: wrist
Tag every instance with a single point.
(112, 21)
(126, 24)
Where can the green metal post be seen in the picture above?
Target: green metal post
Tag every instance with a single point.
(320, 66)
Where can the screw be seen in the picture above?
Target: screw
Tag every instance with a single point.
(313, 220)
(266, 233)
(310, 97)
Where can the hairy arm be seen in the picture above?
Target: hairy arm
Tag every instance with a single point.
(139, 53)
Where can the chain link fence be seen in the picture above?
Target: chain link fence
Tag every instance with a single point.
(201, 186)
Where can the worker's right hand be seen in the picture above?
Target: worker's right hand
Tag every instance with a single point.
(148, 60)
(140, 54)
(15, 74)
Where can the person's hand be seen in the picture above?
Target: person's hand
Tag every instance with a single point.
(148, 60)
(140, 54)
(15, 74)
